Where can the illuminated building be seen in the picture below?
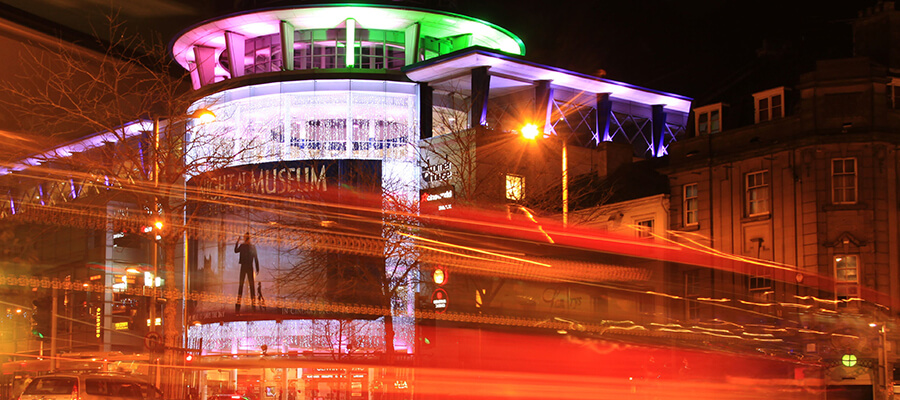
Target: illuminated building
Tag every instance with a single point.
(309, 99)
(801, 174)
(324, 89)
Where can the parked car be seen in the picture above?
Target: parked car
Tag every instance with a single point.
(89, 386)
(228, 396)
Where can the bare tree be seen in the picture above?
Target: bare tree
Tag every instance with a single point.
(135, 101)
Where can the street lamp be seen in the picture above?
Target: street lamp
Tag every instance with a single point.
(882, 330)
(531, 132)
(204, 116)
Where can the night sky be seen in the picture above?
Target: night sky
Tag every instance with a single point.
(692, 48)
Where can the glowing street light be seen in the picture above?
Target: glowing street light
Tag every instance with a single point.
(205, 116)
(531, 132)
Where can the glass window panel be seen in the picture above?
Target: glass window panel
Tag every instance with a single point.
(703, 123)
(757, 193)
(838, 166)
(846, 269)
(843, 180)
(515, 187)
(763, 108)
(48, 386)
(644, 228)
(776, 106)
(691, 204)
(714, 121)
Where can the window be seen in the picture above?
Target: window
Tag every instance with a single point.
(515, 187)
(769, 104)
(691, 292)
(760, 278)
(843, 180)
(757, 193)
(846, 270)
(112, 387)
(894, 93)
(708, 119)
(691, 204)
(644, 228)
(51, 386)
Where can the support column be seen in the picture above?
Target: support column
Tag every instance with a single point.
(658, 130)
(426, 106)
(604, 112)
(234, 45)
(543, 105)
(481, 85)
(287, 45)
(411, 49)
(350, 49)
(205, 59)
(195, 76)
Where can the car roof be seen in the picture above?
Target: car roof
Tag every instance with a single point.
(135, 378)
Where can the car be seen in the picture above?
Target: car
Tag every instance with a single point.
(89, 386)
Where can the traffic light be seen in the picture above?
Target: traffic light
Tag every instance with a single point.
(426, 335)
(41, 317)
(154, 230)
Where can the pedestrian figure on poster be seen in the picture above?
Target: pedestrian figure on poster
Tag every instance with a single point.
(248, 259)
(260, 300)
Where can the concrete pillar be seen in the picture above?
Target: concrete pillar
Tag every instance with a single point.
(658, 130)
(234, 45)
(543, 105)
(426, 106)
(287, 46)
(604, 112)
(205, 59)
(481, 85)
(412, 44)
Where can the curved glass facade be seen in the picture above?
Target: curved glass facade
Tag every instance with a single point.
(321, 127)
(291, 336)
(304, 137)
(324, 49)
(315, 119)
(352, 37)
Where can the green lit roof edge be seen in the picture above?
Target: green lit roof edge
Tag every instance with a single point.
(447, 13)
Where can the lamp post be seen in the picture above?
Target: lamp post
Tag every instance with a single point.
(203, 116)
(884, 361)
(154, 258)
(884, 382)
(531, 132)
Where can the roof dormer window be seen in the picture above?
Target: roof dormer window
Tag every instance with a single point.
(708, 119)
(894, 93)
(769, 104)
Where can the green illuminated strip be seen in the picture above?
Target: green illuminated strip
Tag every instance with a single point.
(351, 41)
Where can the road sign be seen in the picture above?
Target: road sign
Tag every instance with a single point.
(439, 299)
(154, 342)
